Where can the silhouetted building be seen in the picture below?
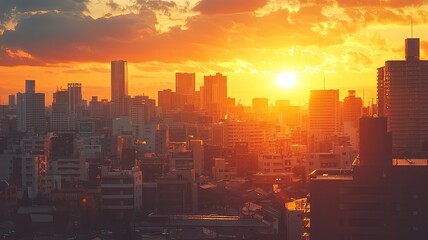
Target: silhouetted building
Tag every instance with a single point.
(119, 80)
(185, 83)
(177, 192)
(31, 109)
(383, 198)
(403, 98)
(214, 94)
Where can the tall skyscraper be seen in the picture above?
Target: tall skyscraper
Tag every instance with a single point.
(75, 103)
(324, 111)
(352, 109)
(403, 98)
(185, 83)
(119, 80)
(214, 94)
(60, 116)
(30, 109)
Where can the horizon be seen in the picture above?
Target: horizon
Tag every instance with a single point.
(340, 41)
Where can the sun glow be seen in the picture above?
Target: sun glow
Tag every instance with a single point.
(287, 80)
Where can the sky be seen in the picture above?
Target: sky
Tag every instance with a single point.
(338, 44)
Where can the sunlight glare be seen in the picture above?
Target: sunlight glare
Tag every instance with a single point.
(287, 80)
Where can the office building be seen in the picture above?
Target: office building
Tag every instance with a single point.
(403, 98)
(60, 116)
(352, 109)
(324, 111)
(119, 80)
(185, 83)
(214, 95)
(75, 103)
(260, 105)
(31, 109)
(121, 193)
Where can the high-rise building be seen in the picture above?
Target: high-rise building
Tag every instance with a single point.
(12, 101)
(381, 198)
(75, 103)
(60, 116)
(185, 83)
(403, 98)
(324, 111)
(352, 109)
(214, 94)
(260, 105)
(119, 79)
(31, 109)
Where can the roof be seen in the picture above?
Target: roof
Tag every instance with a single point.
(410, 162)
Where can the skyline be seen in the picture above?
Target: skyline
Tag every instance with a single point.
(159, 38)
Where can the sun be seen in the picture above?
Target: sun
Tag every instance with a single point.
(287, 79)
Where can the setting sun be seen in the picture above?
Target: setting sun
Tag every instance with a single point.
(287, 80)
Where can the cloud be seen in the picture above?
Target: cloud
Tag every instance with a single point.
(237, 33)
(379, 3)
(228, 6)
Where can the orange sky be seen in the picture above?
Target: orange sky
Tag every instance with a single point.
(251, 41)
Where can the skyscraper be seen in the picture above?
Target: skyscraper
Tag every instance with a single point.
(75, 98)
(214, 96)
(403, 98)
(352, 109)
(30, 109)
(119, 80)
(185, 83)
(324, 111)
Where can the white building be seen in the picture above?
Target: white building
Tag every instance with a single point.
(70, 169)
(121, 192)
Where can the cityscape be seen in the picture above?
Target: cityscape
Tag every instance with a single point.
(190, 160)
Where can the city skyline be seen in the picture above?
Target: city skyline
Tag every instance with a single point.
(160, 38)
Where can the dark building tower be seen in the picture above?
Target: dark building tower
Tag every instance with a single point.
(119, 80)
(30, 109)
(382, 199)
(75, 103)
(403, 98)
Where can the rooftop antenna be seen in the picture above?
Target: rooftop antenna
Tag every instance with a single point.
(411, 27)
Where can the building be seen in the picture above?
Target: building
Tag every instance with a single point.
(403, 98)
(214, 95)
(30, 109)
(352, 109)
(119, 80)
(274, 163)
(75, 103)
(60, 116)
(324, 111)
(177, 193)
(382, 198)
(260, 106)
(121, 193)
(294, 214)
(185, 83)
(252, 132)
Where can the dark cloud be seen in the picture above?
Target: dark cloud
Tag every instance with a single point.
(63, 37)
(6, 6)
(158, 5)
(228, 6)
(57, 37)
